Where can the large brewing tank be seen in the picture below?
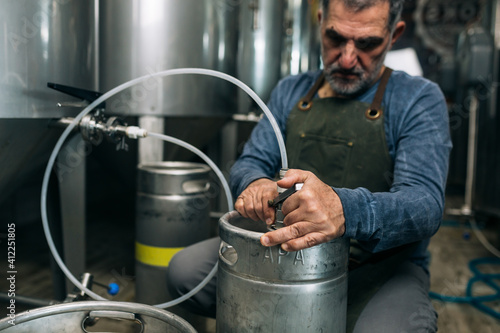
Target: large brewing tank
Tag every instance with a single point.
(265, 289)
(302, 50)
(276, 39)
(140, 37)
(42, 41)
(260, 46)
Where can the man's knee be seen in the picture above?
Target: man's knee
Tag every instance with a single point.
(423, 320)
(402, 305)
(187, 269)
(177, 275)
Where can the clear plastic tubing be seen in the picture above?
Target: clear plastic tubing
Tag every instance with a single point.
(181, 299)
(104, 97)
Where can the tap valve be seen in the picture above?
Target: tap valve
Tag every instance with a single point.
(277, 202)
(95, 124)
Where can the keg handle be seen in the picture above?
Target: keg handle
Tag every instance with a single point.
(227, 253)
(94, 316)
(195, 186)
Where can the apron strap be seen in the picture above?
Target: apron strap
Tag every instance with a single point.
(305, 103)
(375, 110)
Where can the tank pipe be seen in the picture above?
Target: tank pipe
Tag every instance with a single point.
(112, 92)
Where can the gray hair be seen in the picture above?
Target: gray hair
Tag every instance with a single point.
(395, 8)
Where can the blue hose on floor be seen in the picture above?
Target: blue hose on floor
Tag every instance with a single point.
(477, 301)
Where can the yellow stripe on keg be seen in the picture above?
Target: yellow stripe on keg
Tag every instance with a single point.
(153, 255)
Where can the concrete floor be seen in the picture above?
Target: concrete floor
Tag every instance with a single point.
(110, 259)
(452, 248)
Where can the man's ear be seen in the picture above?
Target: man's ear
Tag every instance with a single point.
(398, 31)
(320, 15)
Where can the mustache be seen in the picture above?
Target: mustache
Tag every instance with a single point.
(336, 69)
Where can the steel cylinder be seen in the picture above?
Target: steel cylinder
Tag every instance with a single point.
(45, 41)
(141, 37)
(42, 41)
(266, 289)
(172, 211)
(261, 34)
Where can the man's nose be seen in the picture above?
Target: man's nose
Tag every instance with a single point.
(348, 57)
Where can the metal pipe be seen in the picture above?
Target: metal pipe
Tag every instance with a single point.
(495, 32)
(471, 155)
(61, 122)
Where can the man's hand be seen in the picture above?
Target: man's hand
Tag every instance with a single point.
(253, 201)
(313, 215)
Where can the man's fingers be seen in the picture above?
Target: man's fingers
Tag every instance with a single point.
(292, 239)
(293, 176)
(245, 207)
(305, 242)
(268, 216)
(252, 202)
(284, 234)
(260, 207)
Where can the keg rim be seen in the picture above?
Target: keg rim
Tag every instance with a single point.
(173, 167)
(84, 306)
(224, 220)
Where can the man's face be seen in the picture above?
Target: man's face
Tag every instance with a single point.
(354, 45)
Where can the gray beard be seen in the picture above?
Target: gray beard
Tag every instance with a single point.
(351, 87)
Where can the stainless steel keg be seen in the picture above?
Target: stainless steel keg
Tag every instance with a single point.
(172, 211)
(266, 289)
(94, 316)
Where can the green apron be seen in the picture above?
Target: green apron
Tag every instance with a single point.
(342, 141)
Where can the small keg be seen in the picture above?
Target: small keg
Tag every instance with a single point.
(172, 212)
(96, 316)
(266, 289)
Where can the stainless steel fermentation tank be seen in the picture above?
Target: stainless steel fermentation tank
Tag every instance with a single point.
(261, 41)
(172, 211)
(249, 39)
(276, 38)
(44, 41)
(140, 37)
(263, 289)
(257, 41)
(41, 41)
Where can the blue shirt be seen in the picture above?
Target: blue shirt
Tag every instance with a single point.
(418, 138)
